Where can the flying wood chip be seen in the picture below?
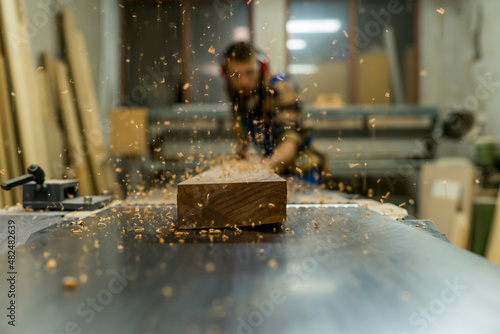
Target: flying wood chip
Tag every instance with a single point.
(229, 195)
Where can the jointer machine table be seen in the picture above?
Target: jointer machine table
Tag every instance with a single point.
(340, 267)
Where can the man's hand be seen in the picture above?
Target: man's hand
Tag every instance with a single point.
(241, 153)
(283, 154)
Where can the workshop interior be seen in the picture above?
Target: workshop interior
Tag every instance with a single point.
(125, 207)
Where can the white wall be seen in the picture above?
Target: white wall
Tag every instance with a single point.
(491, 44)
(450, 75)
(99, 22)
(269, 35)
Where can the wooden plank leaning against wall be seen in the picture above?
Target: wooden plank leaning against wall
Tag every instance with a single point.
(76, 52)
(69, 116)
(37, 97)
(6, 151)
(12, 164)
(26, 97)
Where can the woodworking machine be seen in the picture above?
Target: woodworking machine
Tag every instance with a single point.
(343, 267)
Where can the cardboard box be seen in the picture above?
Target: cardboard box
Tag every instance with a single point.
(129, 131)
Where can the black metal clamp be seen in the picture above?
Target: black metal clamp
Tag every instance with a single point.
(39, 194)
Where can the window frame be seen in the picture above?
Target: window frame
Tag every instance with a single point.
(353, 59)
(185, 37)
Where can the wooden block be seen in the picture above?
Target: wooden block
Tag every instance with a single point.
(493, 250)
(129, 128)
(233, 194)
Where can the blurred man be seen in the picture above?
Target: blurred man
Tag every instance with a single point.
(266, 111)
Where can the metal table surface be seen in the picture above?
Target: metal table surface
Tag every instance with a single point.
(325, 270)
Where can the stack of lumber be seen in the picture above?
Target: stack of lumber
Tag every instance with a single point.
(24, 139)
(49, 113)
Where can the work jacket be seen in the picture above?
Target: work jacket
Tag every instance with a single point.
(273, 114)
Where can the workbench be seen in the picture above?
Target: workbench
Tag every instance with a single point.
(330, 268)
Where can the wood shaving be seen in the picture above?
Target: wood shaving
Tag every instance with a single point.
(167, 291)
(51, 265)
(273, 264)
(70, 283)
(209, 267)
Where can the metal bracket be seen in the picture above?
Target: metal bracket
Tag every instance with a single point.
(39, 194)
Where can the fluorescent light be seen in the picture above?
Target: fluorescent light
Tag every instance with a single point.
(296, 44)
(302, 69)
(311, 26)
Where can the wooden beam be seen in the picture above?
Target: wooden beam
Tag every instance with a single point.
(79, 64)
(8, 136)
(5, 198)
(417, 43)
(353, 56)
(55, 146)
(71, 124)
(25, 95)
(185, 9)
(48, 66)
(231, 195)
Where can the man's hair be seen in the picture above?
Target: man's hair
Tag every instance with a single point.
(240, 51)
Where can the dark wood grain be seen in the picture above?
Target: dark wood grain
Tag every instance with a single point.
(233, 194)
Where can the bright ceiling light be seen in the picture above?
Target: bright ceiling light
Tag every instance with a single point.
(312, 26)
(296, 44)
